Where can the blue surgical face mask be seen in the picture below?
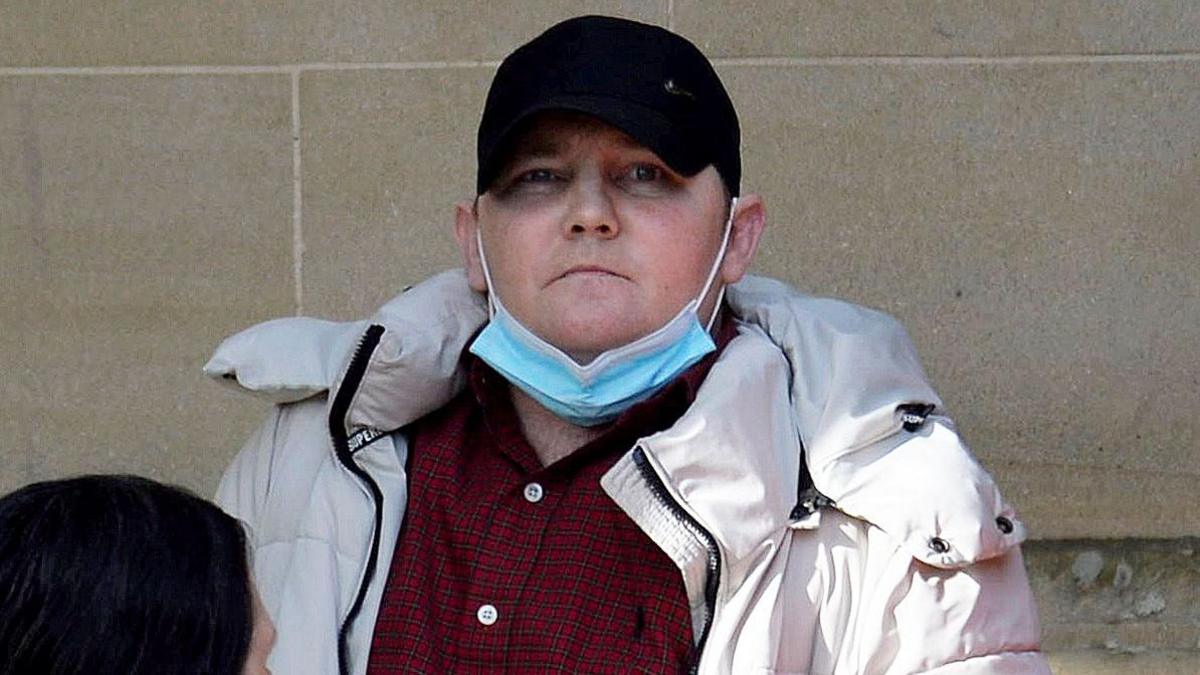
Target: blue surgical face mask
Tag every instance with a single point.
(592, 394)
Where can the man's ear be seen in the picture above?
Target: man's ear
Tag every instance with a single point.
(749, 220)
(466, 224)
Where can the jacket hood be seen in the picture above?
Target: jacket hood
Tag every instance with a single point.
(413, 371)
(852, 374)
(855, 377)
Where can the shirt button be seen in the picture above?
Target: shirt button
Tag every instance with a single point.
(487, 614)
(534, 493)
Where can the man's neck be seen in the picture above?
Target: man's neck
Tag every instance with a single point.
(551, 437)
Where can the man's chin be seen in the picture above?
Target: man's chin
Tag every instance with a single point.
(584, 328)
(585, 353)
(588, 339)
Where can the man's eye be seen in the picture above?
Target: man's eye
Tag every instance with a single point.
(537, 176)
(645, 173)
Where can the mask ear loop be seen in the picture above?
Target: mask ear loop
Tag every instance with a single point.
(487, 275)
(712, 274)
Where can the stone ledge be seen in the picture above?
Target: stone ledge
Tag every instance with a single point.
(1119, 597)
(1095, 662)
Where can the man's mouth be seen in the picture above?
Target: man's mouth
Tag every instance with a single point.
(590, 270)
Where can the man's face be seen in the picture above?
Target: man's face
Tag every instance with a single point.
(592, 241)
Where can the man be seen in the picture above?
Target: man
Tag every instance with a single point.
(577, 456)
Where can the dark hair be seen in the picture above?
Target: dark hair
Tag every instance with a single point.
(120, 574)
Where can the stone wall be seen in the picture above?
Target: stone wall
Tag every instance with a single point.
(1019, 182)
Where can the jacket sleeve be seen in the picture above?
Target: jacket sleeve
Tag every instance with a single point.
(271, 487)
(980, 619)
(269, 495)
(243, 488)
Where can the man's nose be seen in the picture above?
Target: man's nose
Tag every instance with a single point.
(591, 211)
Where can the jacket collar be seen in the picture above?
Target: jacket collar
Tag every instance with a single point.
(416, 367)
(854, 376)
(413, 370)
(733, 459)
(835, 376)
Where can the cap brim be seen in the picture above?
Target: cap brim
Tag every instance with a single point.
(645, 125)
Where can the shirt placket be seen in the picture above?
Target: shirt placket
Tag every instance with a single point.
(504, 566)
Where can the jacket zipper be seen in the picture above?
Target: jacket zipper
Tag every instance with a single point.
(341, 445)
(713, 578)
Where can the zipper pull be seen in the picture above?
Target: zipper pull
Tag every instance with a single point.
(810, 502)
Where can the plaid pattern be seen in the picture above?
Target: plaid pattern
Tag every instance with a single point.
(576, 586)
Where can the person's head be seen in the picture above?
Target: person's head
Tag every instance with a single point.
(608, 159)
(119, 574)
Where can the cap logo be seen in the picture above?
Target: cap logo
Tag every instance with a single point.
(674, 89)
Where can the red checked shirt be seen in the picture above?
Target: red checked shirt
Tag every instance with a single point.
(503, 564)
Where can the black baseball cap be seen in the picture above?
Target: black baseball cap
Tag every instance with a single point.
(646, 81)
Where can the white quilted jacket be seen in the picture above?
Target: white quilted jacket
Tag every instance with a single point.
(904, 559)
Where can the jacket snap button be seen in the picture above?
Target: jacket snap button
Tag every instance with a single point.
(1005, 525)
(939, 545)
